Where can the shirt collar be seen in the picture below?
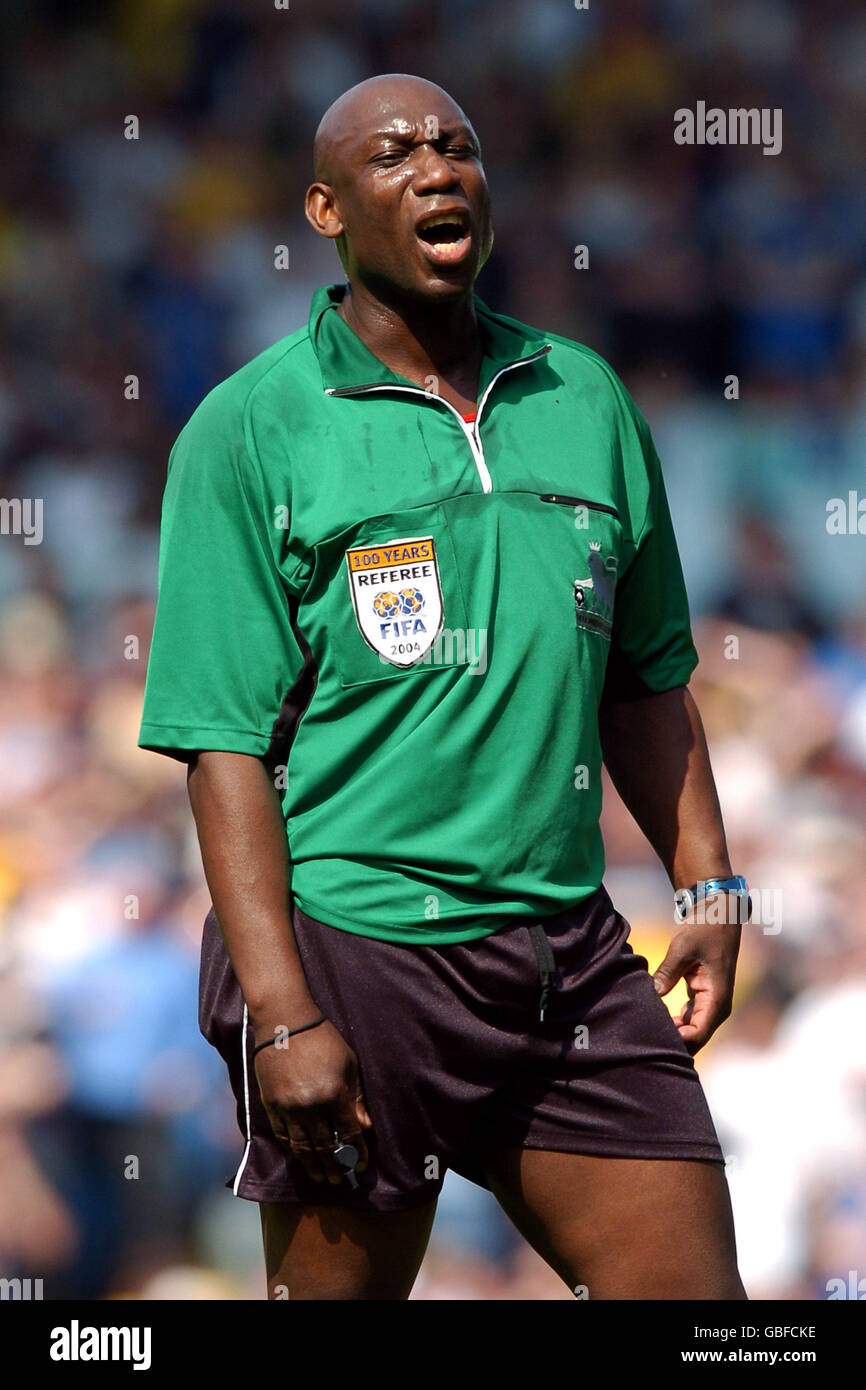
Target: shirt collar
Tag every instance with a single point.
(346, 362)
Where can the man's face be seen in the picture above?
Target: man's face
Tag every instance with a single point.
(409, 193)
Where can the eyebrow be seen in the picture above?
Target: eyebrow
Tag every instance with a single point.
(445, 131)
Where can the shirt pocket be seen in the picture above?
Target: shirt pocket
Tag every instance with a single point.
(595, 553)
(397, 604)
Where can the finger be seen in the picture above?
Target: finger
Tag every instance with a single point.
(671, 969)
(700, 1020)
(304, 1150)
(322, 1130)
(350, 1127)
(688, 1008)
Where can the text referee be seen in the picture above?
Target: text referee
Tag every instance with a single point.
(417, 579)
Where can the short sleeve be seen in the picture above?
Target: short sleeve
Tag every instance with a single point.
(651, 643)
(224, 653)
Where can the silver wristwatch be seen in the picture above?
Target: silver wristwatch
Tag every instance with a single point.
(686, 899)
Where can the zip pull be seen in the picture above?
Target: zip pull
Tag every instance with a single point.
(546, 962)
(564, 501)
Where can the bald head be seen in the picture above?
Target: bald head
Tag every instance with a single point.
(367, 107)
(389, 153)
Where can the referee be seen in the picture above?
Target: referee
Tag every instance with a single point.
(417, 581)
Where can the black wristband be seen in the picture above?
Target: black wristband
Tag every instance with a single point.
(269, 1042)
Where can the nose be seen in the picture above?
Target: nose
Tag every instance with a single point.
(433, 172)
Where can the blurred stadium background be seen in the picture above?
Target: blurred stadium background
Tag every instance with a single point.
(155, 257)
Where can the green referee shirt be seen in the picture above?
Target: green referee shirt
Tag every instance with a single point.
(414, 619)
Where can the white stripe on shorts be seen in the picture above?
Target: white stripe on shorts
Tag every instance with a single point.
(239, 1173)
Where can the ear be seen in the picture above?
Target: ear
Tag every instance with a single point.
(320, 207)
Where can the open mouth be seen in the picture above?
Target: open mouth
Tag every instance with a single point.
(445, 236)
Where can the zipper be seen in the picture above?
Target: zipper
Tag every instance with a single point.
(578, 502)
(470, 430)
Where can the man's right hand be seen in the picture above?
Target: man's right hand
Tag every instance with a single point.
(311, 1087)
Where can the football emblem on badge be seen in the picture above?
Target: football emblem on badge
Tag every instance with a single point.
(411, 600)
(397, 597)
(386, 605)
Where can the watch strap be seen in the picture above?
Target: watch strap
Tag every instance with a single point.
(685, 899)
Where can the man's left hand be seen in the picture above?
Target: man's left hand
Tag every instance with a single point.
(705, 956)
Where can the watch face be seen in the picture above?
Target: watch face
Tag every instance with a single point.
(683, 903)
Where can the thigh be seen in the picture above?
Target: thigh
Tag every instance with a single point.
(623, 1228)
(326, 1252)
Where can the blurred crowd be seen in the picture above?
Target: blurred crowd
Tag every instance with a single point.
(137, 272)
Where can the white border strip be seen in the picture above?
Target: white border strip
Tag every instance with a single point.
(243, 1164)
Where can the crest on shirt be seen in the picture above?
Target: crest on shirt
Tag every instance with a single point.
(397, 597)
(593, 596)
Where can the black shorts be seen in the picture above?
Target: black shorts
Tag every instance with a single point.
(456, 1062)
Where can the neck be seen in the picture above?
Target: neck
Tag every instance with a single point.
(414, 337)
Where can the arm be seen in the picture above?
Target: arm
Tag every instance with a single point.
(656, 753)
(310, 1087)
